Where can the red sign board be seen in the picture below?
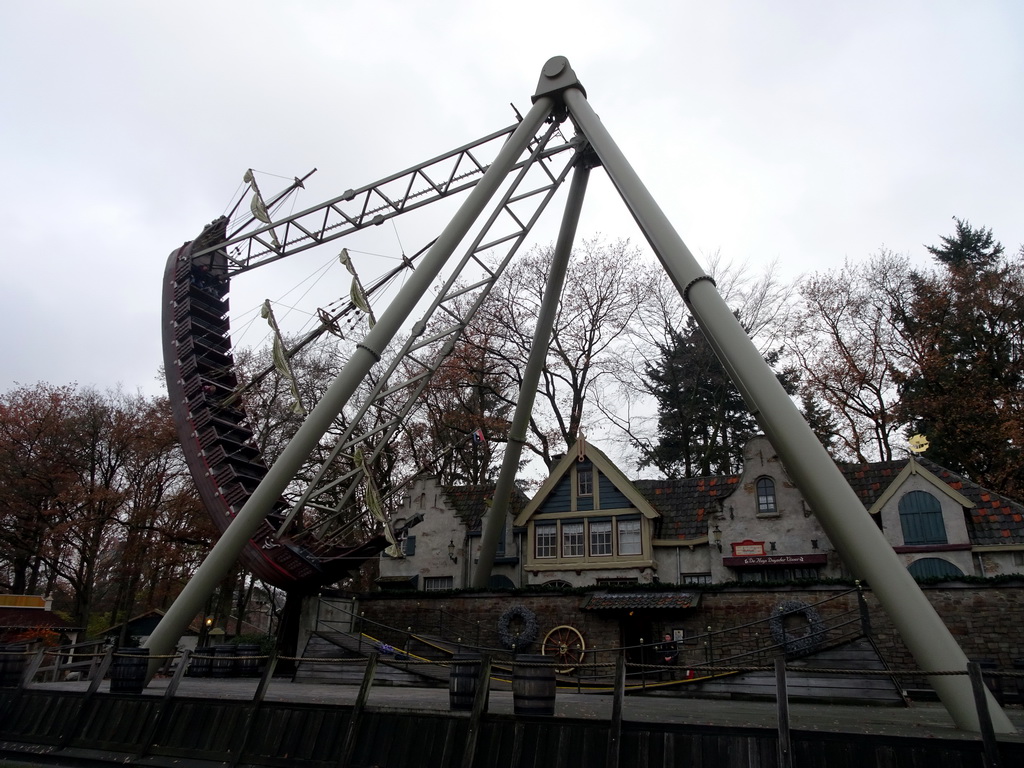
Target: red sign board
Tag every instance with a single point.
(747, 548)
(760, 561)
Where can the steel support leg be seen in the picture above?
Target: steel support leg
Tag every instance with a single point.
(857, 539)
(498, 513)
(225, 553)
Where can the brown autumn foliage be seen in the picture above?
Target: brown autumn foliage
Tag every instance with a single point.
(97, 508)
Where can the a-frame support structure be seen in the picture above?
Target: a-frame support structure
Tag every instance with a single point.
(859, 542)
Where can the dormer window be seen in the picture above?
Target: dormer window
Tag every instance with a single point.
(584, 481)
(766, 506)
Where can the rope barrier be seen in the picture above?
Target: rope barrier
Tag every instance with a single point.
(402, 657)
(413, 660)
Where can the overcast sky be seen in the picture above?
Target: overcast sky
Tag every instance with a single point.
(806, 132)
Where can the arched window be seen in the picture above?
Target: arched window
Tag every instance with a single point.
(557, 584)
(933, 568)
(921, 518)
(766, 497)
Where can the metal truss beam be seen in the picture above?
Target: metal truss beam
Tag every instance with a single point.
(371, 205)
(367, 354)
(440, 344)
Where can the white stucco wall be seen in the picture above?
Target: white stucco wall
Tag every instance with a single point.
(791, 531)
(440, 528)
(952, 518)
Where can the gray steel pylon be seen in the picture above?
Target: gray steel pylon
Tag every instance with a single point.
(857, 539)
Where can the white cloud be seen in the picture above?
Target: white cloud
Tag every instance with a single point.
(805, 131)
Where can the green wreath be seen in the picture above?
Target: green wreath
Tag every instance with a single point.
(792, 644)
(517, 628)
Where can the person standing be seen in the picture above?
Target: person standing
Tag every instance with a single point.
(668, 655)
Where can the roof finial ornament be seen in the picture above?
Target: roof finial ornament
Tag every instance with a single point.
(581, 446)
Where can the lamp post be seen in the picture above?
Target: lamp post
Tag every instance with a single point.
(204, 631)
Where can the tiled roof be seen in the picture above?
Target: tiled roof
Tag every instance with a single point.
(995, 519)
(471, 501)
(632, 601)
(31, 618)
(686, 503)
(869, 481)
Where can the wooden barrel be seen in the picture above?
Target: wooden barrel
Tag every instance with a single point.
(128, 670)
(248, 662)
(533, 685)
(13, 659)
(463, 680)
(223, 661)
(199, 662)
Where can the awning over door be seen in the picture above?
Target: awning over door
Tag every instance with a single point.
(642, 601)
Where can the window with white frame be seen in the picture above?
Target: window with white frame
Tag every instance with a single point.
(572, 539)
(438, 583)
(600, 537)
(546, 540)
(617, 581)
(629, 537)
(584, 481)
(586, 538)
(695, 578)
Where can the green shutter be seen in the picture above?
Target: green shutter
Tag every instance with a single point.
(921, 519)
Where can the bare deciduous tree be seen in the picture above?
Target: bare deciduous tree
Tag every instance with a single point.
(607, 287)
(849, 351)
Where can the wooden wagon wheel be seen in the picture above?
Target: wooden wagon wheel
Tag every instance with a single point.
(566, 645)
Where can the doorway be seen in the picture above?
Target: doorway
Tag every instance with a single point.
(637, 637)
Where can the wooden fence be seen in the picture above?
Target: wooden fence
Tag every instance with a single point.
(62, 726)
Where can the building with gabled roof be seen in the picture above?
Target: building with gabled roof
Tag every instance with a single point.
(30, 618)
(439, 538)
(590, 525)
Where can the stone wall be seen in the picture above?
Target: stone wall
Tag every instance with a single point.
(473, 619)
(985, 620)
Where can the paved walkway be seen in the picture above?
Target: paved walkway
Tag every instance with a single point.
(925, 719)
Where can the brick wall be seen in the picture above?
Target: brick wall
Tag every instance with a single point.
(985, 620)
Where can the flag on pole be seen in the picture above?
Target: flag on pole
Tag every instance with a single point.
(279, 355)
(257, 206)
(357, 293)
(478, 437)
(375, 505)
